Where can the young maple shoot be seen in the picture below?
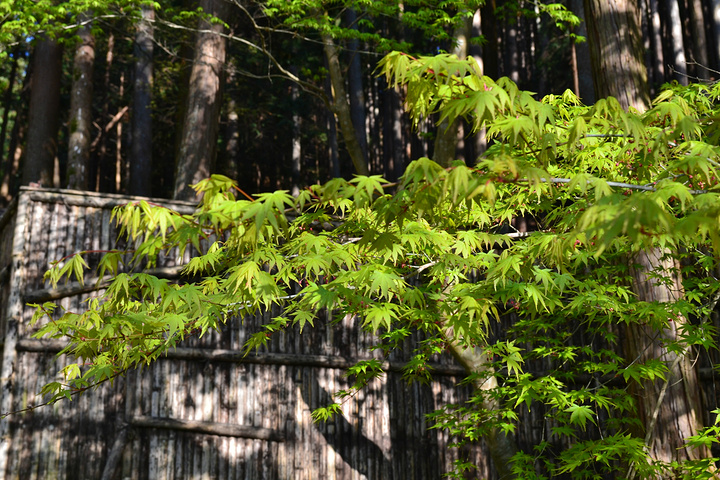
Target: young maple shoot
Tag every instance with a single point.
(534, 316)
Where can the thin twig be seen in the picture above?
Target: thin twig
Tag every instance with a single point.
(307, 86)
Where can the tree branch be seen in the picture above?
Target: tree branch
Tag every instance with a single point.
(306, 86)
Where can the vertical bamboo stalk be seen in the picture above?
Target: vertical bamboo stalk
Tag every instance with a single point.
(180, 455)
(154, 454)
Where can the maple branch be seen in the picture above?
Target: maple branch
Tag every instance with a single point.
(631, 186)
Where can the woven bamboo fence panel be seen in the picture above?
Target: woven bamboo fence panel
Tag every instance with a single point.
(204, 411)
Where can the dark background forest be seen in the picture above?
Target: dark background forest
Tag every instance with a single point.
(143, 101)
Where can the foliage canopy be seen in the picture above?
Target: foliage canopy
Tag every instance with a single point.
(442, 252)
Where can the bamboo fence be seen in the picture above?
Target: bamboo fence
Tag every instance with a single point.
(203, 411)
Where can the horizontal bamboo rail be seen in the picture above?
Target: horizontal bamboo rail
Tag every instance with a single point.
(97, 200)
(90, 285)
(234, 356)
(209, 428)
(320, 361)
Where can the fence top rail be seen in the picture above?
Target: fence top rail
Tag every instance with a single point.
(95, 199)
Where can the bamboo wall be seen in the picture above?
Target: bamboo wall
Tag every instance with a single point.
(203, 412)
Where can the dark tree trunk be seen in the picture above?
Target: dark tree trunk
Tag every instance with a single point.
(15, 153)
(43, 114)
(488, 21)
(103, 162)
(141, 150)
(341, 106)
(700, 45)
(656, 55)
(585, 76)
(446, 138)
(678, 59)
(478, 144)
(10, 179)
(376, 125)
(296, 142)
(393, 144)
(229, 160)
(393, 128)
(196, 154)
(616, 52)
(333, 154)
(8, 105)
(120, 165)
(511, 61)
(81, 97)
(355, 86)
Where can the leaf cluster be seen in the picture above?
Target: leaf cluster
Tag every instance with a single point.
(22, 21)
(522, 257)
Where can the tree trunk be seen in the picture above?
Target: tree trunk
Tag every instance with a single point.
(668, 420)
(81, 97)
(511, 50)
(393, 144)
(393, 130)
(585, 76)
(103, 163)
(120, 166)
(141, 150)
(480, 53)
(15, 153)
(196, 153)
(296, 149)
(341, 106)
(669, 411)
(679, 62)
(656, 54)
(715, 14)
(700, 44)
(446, 138)
(502, 446)
(43, 114)
(333, 157)
(8, 105)
(11, 181)
(355, 86)
(488, 21)
(616, 52)
(228, 161)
